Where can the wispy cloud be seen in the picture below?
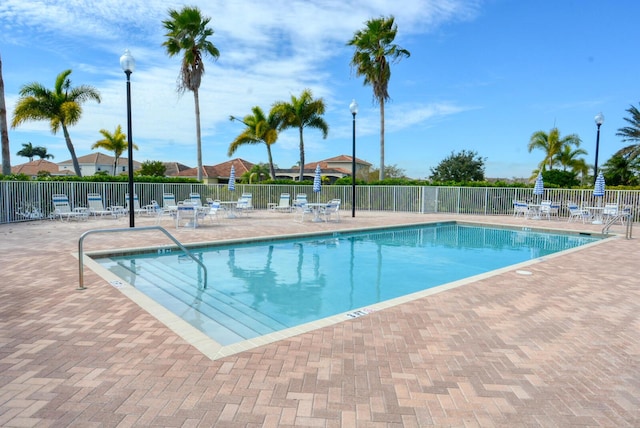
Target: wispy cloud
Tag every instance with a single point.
(269, 50)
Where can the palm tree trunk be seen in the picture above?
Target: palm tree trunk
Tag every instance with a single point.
(115, 165)
(381, 175)
(196, 99)
(4, 129)
(72, 150)
(272, 170)
(301, 177)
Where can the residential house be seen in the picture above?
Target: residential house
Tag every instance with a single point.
(34, 168)
(96, 162)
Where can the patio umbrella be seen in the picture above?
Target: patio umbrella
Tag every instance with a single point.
(317, 180)
(232, 179)
(598, 189)
(538, 188)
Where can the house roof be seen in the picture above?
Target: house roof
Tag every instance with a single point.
(344, 158)
(98, 158)
(32, 168)
(174, 168)
(221, 170)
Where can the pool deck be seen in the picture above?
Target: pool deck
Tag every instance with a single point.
(559, 347)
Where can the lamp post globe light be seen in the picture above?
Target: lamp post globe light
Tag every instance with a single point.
(354, 110)
(599, 119)
(128, 65)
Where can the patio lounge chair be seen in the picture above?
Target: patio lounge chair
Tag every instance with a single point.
(96, 207)
(195, 199)
(136, 205)
(284, 204)
(63, 210)
(245, 204)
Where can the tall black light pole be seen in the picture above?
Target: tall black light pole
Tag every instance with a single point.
(599, 121)
(354, 110)
(128, 64)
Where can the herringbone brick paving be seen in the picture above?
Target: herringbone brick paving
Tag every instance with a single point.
(557, 348)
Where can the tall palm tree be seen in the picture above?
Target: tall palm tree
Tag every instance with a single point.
(552, 144)
(259, 129)
(116, 143)
(62, 107)
(4, 129)
(300, 113)
(630, 133)
(373, 56)
(187, 33)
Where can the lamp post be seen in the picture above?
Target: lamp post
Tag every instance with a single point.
(128, 64)
(599, 121)
(354, 110)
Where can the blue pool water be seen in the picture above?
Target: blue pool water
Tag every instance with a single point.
(261, 287)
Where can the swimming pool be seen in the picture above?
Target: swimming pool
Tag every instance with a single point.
(259, 288)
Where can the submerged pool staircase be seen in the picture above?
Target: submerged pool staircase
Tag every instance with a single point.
(224, 318)
(134, 229)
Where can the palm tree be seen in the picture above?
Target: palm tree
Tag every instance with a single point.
(300, 113)
(187, 33)
(62, 107)
(116, 143)
(27, 151)
(568, 158)
(373, 56)
(42, 153)
(630, 133)
(4, 129)
(552, 145)
(621, 171)
(260, 129)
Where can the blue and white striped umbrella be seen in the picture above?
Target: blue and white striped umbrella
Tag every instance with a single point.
(232, 179)
(538, 188)
(598, 189)
(317, 180)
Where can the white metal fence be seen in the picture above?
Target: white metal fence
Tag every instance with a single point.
(29, 200)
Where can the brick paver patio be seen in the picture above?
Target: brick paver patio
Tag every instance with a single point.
(557, 348)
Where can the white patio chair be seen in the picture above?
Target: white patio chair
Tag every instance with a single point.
(63, 210)
(575, 213)
(284, 204)
(96, 206)
(520, 208)
(332, 210)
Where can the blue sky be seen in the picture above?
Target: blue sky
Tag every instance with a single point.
(482, 76)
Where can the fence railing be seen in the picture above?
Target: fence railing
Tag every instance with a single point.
(29, 200)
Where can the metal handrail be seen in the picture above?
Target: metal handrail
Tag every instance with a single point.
(626, 217)
(160, 228)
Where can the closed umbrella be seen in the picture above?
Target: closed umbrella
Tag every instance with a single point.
(317, 180)
(232, 179)
(538, 188)
(598, 189)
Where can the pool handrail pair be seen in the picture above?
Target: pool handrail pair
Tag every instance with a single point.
(144, 228)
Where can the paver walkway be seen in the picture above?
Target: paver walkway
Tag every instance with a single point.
(557, 348)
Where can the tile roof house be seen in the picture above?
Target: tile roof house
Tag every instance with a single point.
(332, 168)
(33, 168)
(172, 169)
(96, 162)
(219, 173)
